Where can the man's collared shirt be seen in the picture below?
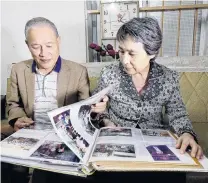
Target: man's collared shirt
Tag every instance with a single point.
(45, 92)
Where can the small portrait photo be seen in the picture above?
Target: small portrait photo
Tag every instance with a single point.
(115, 132)
(62, 119)
(114, 150)
(158, 133)
(161, 153)
(55, 150)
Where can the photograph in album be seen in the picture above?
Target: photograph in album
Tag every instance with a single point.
(155, 133)
(21, 143)
(63, 122)
(115, 132)
(114, 150)
(84, 116)
(162, 153)
(55, 150)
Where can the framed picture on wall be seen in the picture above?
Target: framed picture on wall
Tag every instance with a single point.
(114, 14)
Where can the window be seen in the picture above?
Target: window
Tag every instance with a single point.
(184, 25)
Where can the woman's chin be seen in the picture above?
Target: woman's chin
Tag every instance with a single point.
(130, 71)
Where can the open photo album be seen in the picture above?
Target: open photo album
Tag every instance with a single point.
(73, 145)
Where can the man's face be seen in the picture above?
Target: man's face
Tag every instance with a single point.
(44, 46)
(133, 56)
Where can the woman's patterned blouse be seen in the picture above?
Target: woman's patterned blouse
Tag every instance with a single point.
(145, 109)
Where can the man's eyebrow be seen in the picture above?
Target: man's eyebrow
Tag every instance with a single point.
(34, 44)
(50, 42)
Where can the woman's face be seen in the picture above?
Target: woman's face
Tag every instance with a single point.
(133, 56)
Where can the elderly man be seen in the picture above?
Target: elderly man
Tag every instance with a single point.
(47, 81)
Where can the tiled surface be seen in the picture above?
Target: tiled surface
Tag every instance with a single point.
(194, 90)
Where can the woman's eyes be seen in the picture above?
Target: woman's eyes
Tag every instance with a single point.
(131, 54)
(122, 52)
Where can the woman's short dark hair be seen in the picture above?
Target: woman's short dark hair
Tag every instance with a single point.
(144, 30)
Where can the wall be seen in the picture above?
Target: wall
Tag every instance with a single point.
(69, 17)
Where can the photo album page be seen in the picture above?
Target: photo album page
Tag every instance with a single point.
(73, 125)
(132, 144)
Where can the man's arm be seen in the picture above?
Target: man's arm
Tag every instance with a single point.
(84, 86)
(14, 102)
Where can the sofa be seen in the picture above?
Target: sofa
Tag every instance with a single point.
(194, 90)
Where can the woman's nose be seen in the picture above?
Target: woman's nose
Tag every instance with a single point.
(126, 59)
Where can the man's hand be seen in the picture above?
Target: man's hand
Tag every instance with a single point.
(186, 140)
(22, 122)
(101, 106)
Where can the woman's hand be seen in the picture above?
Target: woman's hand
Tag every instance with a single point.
(186, 140)
(101, 106)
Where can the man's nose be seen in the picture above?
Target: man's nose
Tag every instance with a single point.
(43, 52)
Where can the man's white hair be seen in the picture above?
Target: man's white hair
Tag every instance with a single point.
(40, 21)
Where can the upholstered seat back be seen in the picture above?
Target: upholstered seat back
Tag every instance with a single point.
(194, 90)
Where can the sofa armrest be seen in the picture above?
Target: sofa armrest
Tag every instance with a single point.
(5, 129)
(202, 132)
(3, 106)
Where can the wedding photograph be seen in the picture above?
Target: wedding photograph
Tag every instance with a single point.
(162, 153)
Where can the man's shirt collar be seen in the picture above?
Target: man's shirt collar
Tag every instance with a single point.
(56, 68)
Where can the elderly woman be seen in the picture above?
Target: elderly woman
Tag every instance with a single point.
(143, 88)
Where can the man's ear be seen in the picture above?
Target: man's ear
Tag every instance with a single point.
(26, 42)
(59, 40)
